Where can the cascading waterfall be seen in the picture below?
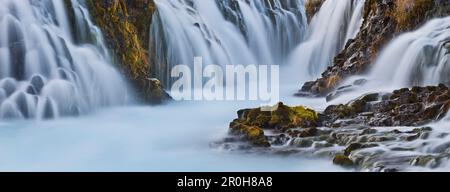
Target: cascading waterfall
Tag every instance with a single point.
(43, 72)
(336, 22)
(418, 58)
(224, 32)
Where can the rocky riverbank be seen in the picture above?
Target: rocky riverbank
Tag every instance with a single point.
(376, 132)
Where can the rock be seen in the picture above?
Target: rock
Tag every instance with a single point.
(302, 142)
(343, 160)
(341, 90)
(356, 146)
(404, 107)
(281, 120)
(351, 129)
(252, 134)
(310, 132)
(125, 25)
(155, 92)
(368, 131)
(425, 161)
(37, 82)
(312, 7)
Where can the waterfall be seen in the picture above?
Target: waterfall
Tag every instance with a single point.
(336, 22)
(44, 72)
(224, 32)
(418, 58)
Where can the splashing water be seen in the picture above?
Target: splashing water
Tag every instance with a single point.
(224, 32)
(336, 22)
(43, 72)
(417, 58)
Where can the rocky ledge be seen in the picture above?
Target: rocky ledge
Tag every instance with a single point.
(312, 7)
(375, 132)
(125, 25)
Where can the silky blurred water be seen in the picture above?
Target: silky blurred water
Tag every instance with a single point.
(165, 138)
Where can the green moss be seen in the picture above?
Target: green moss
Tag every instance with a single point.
(252, 122)
(343, 160)
(284, 117)
(125, 25)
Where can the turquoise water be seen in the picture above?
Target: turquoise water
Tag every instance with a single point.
(174, 137)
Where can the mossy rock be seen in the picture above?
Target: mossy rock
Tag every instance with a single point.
(252, 134)
(343, 160)
(126, 27)
(251, 123)
(283, 118)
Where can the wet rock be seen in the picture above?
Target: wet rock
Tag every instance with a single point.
(356, 146)
(309, 132)
(302, 142)
(368, 131)
(278, 140)
(404, 107)
(343, 160)
(155, 93)
(352, 129)
(37, 82)
(425, 161)
(312, 7)
(281, 120)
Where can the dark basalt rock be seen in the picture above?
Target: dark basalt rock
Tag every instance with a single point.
(37, 82)
(350, 135)
(405, 107)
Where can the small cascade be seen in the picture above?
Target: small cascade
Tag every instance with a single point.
(224, 32)
(336, 22)
(417, 58)
(43, 72)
